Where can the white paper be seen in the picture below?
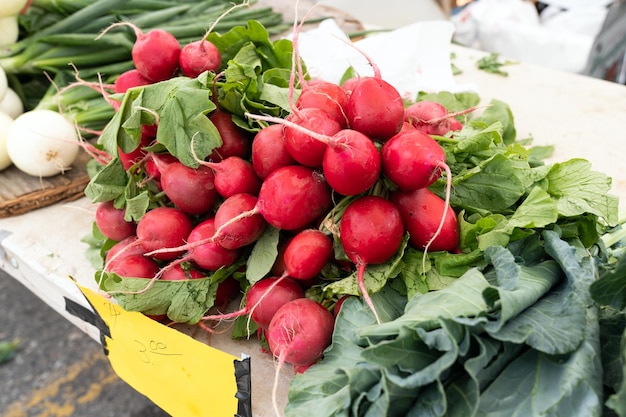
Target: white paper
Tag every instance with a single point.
(412, 58)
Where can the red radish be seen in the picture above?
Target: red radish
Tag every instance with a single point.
(179, 272)
(199, 56)
(433, 118)
(155, 53)
(375, 107)
(263, 299)
(325, 96)
(243, 231)
(125, 81)
(202, 55)
(163, 227)
(419, 113)
(307, 253)
(235, 141)
(351, 163)
(191, 189)
(293, 196)
(130, 79)
(209, 255)
(349, 84)
(234, 175)
(269, 151)
(266, 296)
(421, 212)
(111, 221)
(455, 125)
(157, 163)
(134, 266)
(122, 248)
(290, 198)
(413, 160)
(299, 332)
(371, 232)
(301, 145)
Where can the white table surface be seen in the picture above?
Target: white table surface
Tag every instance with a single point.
(581, 116)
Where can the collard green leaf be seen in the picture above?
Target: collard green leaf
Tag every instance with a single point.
(536, 384)
(462, 298)
(612, 340)
(337, 386)
(610, 289)
(617, 400)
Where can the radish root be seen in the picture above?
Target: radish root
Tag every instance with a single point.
(443, 216)
(366, 297)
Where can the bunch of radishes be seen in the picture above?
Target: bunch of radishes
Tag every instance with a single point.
(343, 180)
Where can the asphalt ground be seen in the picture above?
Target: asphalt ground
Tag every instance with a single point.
(58, 371)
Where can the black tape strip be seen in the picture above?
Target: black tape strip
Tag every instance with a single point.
(244, 387)
(91, 317)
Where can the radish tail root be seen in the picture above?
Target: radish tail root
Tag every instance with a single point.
(438, 120)
(366, 297)
(279, 366)
(220, 17)
(443, 216)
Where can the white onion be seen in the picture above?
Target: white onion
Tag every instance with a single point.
(5, 122)
(11, 104)
(9, 30)
(4, 84)
(11, 7)
(42, 143)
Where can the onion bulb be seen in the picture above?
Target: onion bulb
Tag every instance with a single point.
(42, 143)
(5, 122)
(12, 7)
(9, 30)
(4, 83)
(11, 104)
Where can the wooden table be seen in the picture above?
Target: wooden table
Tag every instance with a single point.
(580, 116)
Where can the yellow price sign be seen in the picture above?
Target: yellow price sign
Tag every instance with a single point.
(178, 373)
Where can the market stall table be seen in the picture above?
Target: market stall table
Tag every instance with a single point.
(580, 116)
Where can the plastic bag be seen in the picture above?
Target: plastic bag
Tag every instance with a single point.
(558, 38)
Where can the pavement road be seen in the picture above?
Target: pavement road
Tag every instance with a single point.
(58, 370)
